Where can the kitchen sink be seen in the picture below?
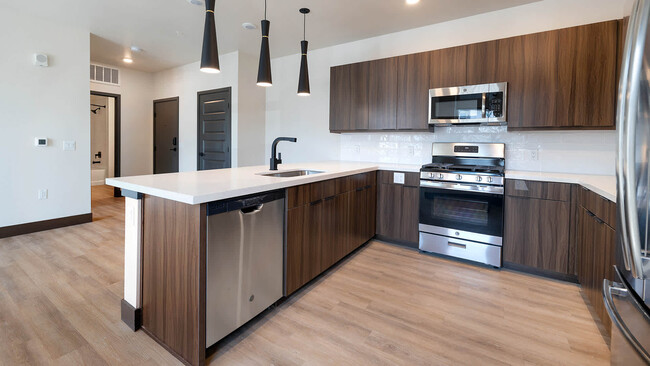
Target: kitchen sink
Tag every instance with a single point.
(292, 173)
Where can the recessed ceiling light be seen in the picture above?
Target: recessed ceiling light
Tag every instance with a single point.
(127, 60)
(136, 49)
(412, 2)
(195, 2)
(249, 26)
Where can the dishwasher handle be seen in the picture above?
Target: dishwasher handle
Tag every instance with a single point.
(252, 210)
(250, 204)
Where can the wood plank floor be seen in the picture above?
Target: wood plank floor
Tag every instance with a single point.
(60, 294)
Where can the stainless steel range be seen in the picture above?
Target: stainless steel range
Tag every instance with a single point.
(461, 202)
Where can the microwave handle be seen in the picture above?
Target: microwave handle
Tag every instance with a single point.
(483, 105)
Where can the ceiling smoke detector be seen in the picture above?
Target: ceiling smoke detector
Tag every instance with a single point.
(195, 2)
(136, 49)
(249, 26)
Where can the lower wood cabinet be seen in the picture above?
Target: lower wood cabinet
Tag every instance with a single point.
(325, 222)
(537, 226)
(398, 207)
(596, 247)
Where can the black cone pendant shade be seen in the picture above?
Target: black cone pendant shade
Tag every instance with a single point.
(264, 70)
(210, 54)
(303, 79)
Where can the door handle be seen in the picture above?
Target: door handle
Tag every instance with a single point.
(173, 149)
(201, 154)
(456, 245)
(174, 141)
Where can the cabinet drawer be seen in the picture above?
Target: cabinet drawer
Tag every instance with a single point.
(410, 179)
(539, 190)
(600, 206)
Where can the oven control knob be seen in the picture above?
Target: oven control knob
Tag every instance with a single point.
(441, 176)
(430, 175)
(479, 178)
(459, 177)
(489, 179)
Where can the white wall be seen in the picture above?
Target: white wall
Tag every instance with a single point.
(136, 137)
(252, 113)
(184, 82)
(308, 118)
(50, 102)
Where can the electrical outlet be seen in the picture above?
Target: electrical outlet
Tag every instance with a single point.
(357, 149)
(42, 194)
(534, 154)
(69, 145)
(398, 178)
(411, 150)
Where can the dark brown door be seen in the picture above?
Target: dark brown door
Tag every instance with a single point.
(413, 92)
(165, 136)
(214, 129)
(359, 96)
(382, 96)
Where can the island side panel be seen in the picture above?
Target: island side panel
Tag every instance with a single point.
(173, 276)
(132, 302)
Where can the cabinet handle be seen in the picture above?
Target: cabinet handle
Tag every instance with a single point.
(360, 189)
(456, 245)
(598, 220)
(329, 198)
(315, 203)
(590, 213)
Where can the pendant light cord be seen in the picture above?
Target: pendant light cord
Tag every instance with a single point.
(264, 9)
(304, 27)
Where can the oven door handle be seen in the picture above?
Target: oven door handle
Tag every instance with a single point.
(463, 187)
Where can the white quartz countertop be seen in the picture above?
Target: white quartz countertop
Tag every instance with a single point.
(604, 185)
(212, 185)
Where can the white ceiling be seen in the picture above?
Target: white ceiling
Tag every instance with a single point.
(170, 31)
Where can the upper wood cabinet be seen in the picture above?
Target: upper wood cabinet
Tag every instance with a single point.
(382, 96)
(447, 67)
(560, 79)
(340, 98)
(413, 91)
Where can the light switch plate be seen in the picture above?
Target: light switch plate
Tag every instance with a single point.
(69, 146)
(42, 194)
(398, 178)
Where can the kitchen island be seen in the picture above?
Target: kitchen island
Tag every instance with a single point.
(166, 235)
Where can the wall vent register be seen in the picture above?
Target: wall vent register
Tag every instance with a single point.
(104, 75)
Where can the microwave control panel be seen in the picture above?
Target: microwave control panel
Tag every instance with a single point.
(494, 105)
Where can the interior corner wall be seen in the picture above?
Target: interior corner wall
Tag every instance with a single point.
(252, 113)
(136, 119)
(185, 82)
(50, 102)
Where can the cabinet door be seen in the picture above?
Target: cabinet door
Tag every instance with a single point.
(296, 241)
(340, 88)
(537, 233)
(448, 67)
(413, 92)
(359, 96)
(484, 63)
(587, 61)
(370, 213)
(389, 215)
(336, 230)
(382, 102)
(409, 220)
(311, 252)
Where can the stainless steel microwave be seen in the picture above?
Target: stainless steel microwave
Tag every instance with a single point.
(471, 104)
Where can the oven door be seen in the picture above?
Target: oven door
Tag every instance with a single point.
(469, 213)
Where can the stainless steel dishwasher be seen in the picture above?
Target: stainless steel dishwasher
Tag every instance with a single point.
(245, 254)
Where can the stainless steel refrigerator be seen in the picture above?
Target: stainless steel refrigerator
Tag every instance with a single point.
(628, 297)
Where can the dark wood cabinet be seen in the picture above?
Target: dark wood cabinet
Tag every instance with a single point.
(340, 98)
(595, 257)
(448, 67)
(397, 208)
(559, 79)
(325, 222)
(537, 226)
(382, 95)
(413, 91)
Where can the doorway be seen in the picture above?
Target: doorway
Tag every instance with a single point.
(214, 129)
(105, 117)
(165, 136)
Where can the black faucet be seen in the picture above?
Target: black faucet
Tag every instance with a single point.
(275, 161)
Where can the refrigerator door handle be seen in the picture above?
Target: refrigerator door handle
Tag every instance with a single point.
(611, 289)
(626, 115)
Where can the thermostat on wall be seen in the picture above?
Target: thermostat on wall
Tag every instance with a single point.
(40, 141)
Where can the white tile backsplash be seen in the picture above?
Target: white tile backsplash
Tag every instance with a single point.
(583, 152)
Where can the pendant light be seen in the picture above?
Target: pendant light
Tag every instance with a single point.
(210, 54)
(264, 70)
(303, 80)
